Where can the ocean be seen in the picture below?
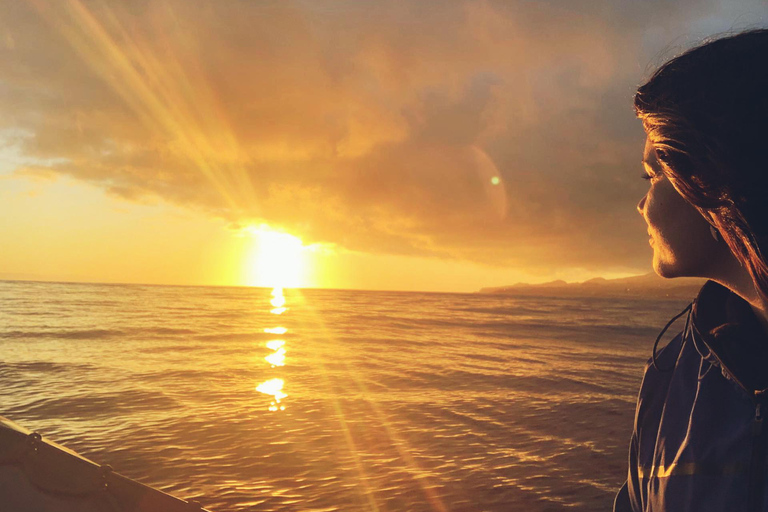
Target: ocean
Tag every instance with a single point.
(247, 399)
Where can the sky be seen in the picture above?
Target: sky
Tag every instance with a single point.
(413, 145)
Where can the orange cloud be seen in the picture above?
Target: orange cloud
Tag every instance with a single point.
(373, 125)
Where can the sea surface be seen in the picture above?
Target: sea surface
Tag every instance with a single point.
(249, 399)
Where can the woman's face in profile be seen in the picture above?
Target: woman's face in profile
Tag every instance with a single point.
(680, 237)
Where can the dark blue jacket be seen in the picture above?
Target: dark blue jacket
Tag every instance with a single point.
(699, 443)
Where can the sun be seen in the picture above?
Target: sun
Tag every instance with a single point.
(277, 260)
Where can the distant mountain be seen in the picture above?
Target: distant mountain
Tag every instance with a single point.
(647, 285)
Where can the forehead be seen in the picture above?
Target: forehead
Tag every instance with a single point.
(649, 154)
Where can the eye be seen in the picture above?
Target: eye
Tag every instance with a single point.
(646, 176)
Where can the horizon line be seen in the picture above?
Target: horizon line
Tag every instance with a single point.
(115, 283)
(476, 291)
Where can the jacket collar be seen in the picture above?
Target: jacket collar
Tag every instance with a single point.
(729, 328)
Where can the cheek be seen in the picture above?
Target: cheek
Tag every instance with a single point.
(681, 227)
(656, 206)
(671, 218)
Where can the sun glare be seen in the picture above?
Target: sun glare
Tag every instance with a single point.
(278, 260)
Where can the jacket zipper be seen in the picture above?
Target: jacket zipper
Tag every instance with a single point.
(757, 463)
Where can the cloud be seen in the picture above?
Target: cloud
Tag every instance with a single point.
(373, 125)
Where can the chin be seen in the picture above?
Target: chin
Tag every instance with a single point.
(666, 269)
(666, 274)
(673, 269)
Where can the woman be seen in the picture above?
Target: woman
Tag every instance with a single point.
(699, 441)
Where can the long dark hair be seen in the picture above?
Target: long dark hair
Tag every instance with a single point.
(706, 113)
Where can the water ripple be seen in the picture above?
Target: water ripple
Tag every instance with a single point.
(398, 401)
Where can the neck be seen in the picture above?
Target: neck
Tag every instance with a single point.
(741, 284)
(763, 318)
(761, 312)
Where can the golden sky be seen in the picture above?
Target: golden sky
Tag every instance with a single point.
(415, 145)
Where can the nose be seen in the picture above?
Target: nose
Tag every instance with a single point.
(641, 205)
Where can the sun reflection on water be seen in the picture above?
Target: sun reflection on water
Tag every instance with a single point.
(278, 301)
(276, 358)
(273, 387)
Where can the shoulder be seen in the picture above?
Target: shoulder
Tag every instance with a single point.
(666, 357)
